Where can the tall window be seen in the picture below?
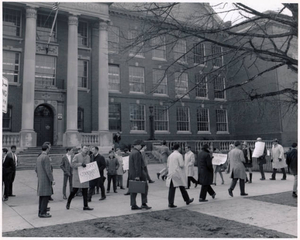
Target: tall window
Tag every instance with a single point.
(219, 86)
(180, 51)
(45, 71)
(136, 79)
(82, 73)
(80, 119)
(199, 53)
(202, 120)
(6, 119)
(183, 119)
(161, 118)
(159, 47)
(201, 89)
(82, 34)
(115, 116)
(181, 84)
(43, 28)
(138, 48)
(11, 66)
(114, 77)
(217, 55)
(113, 39)
(137, 117)
(221, 120)
(11, 22)
(160, 81)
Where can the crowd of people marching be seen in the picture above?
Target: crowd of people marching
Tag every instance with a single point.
(178, 171)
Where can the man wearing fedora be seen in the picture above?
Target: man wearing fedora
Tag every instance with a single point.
(137, 171)
(278, 160)
(238, 171)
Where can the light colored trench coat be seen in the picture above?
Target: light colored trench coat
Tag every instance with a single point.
(77, 162)
(189, 160)
(276, 153)
(236, 159)
(176, 166)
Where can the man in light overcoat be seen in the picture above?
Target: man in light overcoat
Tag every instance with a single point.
(45, 181)
(278, 160)
(238, 171)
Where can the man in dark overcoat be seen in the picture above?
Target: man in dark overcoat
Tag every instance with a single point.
(292, 162)
(205, 173)
(45, 181)
(8, 169)
(137, 172)
(13, 154)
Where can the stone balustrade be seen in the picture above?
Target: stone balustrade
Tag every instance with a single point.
(9, 139)
(90, 139)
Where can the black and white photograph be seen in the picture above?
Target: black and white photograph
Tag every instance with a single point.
(108, 108)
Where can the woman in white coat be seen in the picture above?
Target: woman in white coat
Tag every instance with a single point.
(189, 161)
(177, 177)
(278, 160)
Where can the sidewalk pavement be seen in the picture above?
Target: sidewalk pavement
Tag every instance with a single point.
(21, 212)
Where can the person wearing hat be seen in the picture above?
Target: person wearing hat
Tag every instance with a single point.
(291, 160)
(205, 173)
(238, 171)
(262, 160)
(278, 160)
(248, 160)
(137, 172)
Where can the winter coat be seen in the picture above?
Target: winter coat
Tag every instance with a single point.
(136, 166)
(237, 159)
(77, 162)
(165, 152)
(112, 164)
(65, 165)
(100, 162)
(205, 167)
(276, 153)
(248, 157)
(176, 169)
(291, 160)
(120, 168)
(189, 160)
(44, 174)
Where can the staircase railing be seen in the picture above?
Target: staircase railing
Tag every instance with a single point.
(9, 139)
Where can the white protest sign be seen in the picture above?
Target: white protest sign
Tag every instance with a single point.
(4, 94)
(88, 173)
(258, 149)
(126, 163)
(219, 158)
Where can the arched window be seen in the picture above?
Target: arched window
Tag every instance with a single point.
(6, 119)
(80, 120)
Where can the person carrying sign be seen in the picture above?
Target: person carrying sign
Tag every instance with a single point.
(80, 160)
(261, 160)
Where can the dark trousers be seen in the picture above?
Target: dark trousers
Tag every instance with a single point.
(7, 184)
(242, 184)
(84, 195)
(261, 169)
(206, 189)
(43, 203)
(66, 178)
(144, 197)
(114, 179)
(120, 180)
(147, 174)
(93, 184)
(275, 170)
(11, 183)
(191, 179)
(172, 191)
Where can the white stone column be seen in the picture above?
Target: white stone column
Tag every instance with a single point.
(103, 104)
(72, 136)
(27, 135)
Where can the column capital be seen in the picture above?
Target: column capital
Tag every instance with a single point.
(73, 20)
(103, 26)
(31, 12)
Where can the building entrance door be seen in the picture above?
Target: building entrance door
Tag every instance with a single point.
(43, 124)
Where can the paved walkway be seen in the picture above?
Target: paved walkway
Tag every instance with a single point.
(20, 212)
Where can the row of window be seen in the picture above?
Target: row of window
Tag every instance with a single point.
(137, 116)
(12, 25)
(45, 75)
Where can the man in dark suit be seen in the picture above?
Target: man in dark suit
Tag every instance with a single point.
(97, 157)
(8, 169)
(15, 159)
(65, 165)
(137, 172)
(45, 181)
(292, 162)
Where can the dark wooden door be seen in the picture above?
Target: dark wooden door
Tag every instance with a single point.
(43, 124)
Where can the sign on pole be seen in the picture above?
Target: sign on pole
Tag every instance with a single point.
(258, 149)
(88, 173)
(219, 158)
(126, 163)
(4, 94)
